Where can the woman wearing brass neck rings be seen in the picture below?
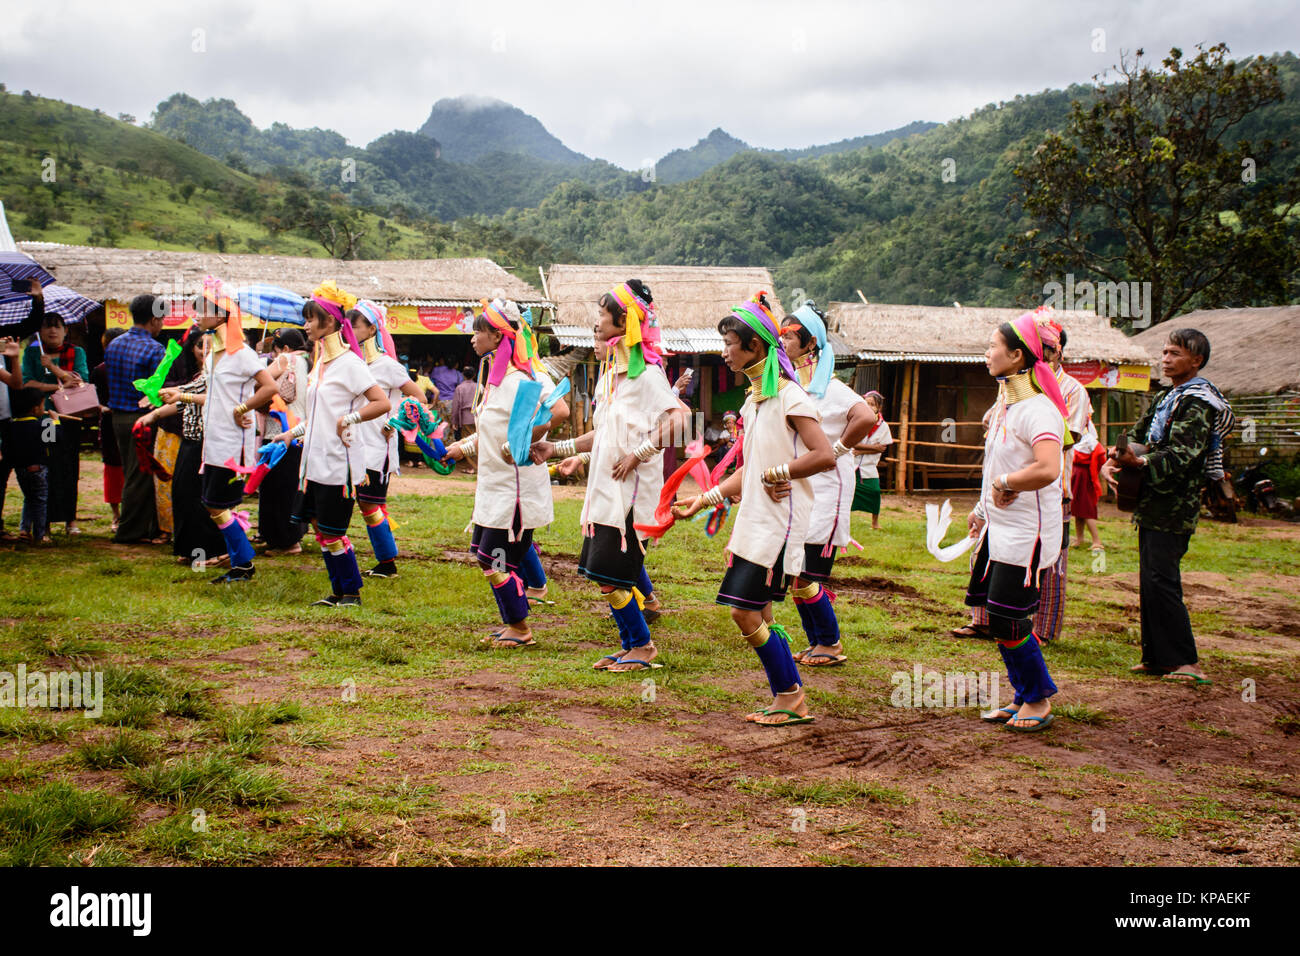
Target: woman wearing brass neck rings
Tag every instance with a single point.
(846, 420)
(1018, 516)
(341, 393)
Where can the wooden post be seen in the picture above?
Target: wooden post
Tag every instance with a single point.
(911, 445)
(904, 405)
(1105, 415)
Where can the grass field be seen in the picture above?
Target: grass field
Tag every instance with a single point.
(241, 726)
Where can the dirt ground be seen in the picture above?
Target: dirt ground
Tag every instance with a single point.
(1182, 775)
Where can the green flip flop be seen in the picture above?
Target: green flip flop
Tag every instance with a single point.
(794, 718)
(1185, 678)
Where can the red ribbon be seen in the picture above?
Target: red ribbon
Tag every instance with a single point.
(664, 516)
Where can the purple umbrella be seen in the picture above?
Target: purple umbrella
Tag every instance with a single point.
(59, 299)
(18, 267)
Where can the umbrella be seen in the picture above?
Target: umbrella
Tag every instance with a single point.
(19, 267)
(271, 303)
(59, 299)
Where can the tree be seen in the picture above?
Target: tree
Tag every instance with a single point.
(1150, 182)
(186, 191)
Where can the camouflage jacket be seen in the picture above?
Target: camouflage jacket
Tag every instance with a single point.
(1170, 499)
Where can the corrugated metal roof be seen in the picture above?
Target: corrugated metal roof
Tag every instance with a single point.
(461, 303)
(688, 341)
(920, 357)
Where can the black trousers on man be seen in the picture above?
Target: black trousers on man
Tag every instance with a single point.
(139, 508)
(1167, 641)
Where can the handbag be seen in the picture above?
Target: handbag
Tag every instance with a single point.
(75, 401)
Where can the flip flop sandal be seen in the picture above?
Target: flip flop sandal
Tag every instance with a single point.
(537, 600)
(1144, 671)
(752, 717)
(641, 666)
(794, 718)
(1185, 678)
(651, 615)
(513, 642)
(612, 658)
(831, 660)
(799, 655)
(1040, 724)
(1000, 720)
(970, 630)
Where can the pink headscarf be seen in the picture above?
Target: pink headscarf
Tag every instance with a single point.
(507, 353)
(1034, 336)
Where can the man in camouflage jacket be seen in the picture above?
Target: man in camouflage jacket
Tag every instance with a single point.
(1183, 429)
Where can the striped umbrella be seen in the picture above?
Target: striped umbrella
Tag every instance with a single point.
(271, 303)
(18, 267)
(59, 299)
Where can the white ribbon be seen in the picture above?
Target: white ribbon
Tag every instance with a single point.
(937, 521)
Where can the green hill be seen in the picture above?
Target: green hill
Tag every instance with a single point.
(73, 175)
(880, 219)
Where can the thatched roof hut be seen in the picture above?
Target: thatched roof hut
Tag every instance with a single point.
(687, 297)
(928, 362)
(1252, 351)
(1254, 361)
(897, 333)
(120, 274)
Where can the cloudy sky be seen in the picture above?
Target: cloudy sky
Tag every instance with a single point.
(621, 81)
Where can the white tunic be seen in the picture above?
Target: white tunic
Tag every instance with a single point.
(504, 487)
(334, 389)
(763, 526)
(621, 423)
(380, 452)
(833, 490)
(880, 435)
(230, 382)
(1078, 406)
(1035, 516)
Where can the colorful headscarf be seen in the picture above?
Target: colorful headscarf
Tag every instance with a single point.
(806, 316)
(214, 293)
(337, 303)
(759, 318)
(377, 316)
(529, 336)
(641, 330)
(511, 351)
(1033, 336)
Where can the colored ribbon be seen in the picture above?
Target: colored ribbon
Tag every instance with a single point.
(268, 456)
(821, 378)
(150, 386)
(757, 317)
(412, 418)
(143, 435)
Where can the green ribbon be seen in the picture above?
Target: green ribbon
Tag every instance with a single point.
(150, 386)
(772, 366)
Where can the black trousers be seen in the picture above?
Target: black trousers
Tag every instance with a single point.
(65, 469)
(139, 509)
(275, 497)
(192, 527)
(1167, 641)
(6, 426)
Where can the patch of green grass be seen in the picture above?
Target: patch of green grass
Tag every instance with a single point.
(34, 826)
(124, 749)
(828, 793)
(246, 729)
(207, 840)
(1210, 729)
(27, 725)
(1083, 714)
(980, 857)
(207, 780)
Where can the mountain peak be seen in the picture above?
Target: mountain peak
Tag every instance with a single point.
(471, 126)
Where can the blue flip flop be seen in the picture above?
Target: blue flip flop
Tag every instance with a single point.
(1000, 720)
(1040, 724)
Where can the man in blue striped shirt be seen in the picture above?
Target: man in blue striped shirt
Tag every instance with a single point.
(128, 357)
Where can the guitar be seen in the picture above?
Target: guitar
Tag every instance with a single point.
(1128, 481)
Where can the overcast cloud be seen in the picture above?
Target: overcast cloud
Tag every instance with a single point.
(620, 81)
